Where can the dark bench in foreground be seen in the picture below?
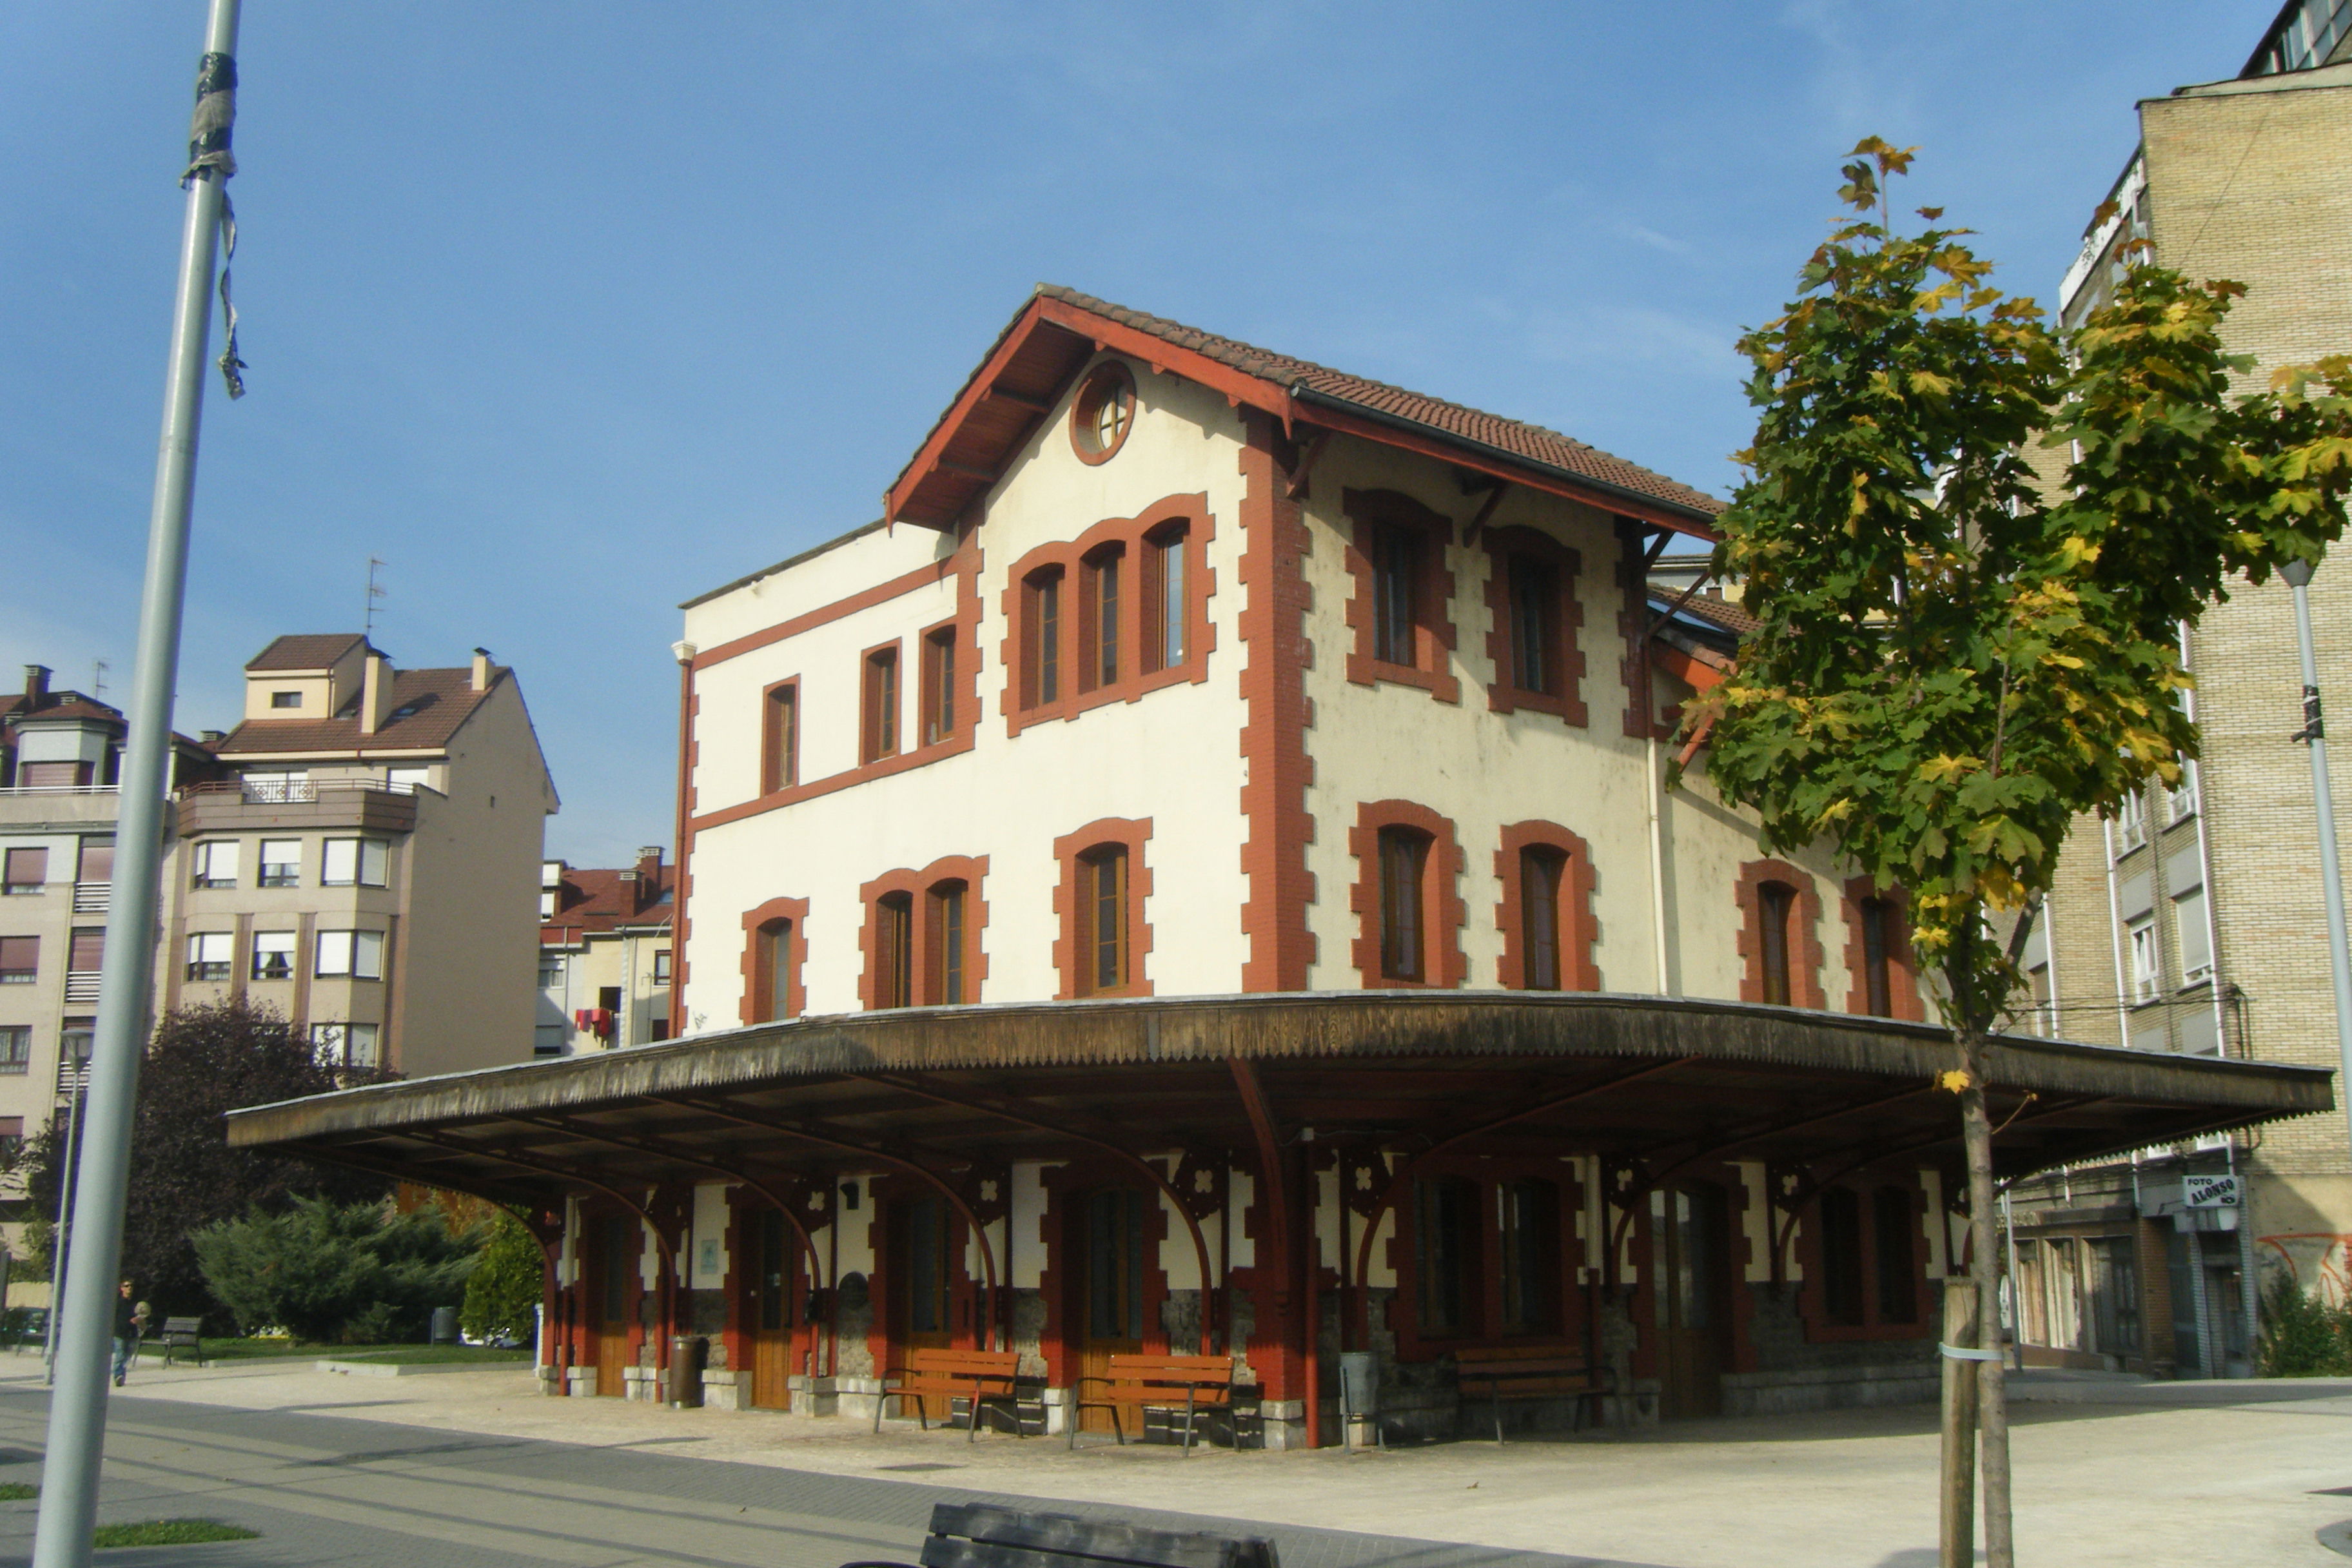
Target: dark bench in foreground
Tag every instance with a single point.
(1498, 1372)
(982, 1535)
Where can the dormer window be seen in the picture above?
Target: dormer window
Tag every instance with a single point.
(286, 699)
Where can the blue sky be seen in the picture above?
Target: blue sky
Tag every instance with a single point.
(571, 311)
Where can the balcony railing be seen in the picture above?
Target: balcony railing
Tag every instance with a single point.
(228, 805)
(73, 1078)
(61, 789)
(81, 984)
(93, 898)
(284, 792)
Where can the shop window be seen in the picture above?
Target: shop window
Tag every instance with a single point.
(1842, 1265)
(1098, 622)
(780, 737)
(1166, 612)
(1896, 1219)
(893, 951)
(939, 685)
(1530, 1235)
(880, 705)
(1446, 1255)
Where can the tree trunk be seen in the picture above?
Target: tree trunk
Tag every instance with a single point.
(1992, 1405)
(1955, 1533)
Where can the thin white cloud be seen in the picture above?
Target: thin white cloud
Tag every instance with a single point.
(1616, 336)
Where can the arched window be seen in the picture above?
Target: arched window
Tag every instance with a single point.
(1165, 608)
(1775, 902)
(1877, 919)
(1098, 625)
(1102, 919)
(948, 944)
(1404, 863)
(1535, 625)
(1543, 875)
(1040, 639)
(771, 969)
(780, 737)
(893, 951)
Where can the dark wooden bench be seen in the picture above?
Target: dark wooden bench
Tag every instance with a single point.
(982, 1535)
(1498, 1372)
(985, 1378)
(1190, 1383)
(181, 1334)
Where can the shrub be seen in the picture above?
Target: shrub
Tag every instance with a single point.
(503, 1294)
(2302, 1335)
(330, 1272)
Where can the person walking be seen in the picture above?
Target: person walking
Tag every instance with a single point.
(129, 1320)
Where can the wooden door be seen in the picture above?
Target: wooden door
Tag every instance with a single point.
(1690, 1263)
(921, 1274)
(612, 1291)
(1109, 1309)
(771, 1310)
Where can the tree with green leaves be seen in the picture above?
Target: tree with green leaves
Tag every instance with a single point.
(333, 1273)
(1953, 663)
(503, 1292)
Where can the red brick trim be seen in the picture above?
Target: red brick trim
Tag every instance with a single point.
(1578, 930)
(966, 562)
(1804, 941)
(1442, 912)
(795, 991)
(1134, 681)
(1504, 695)
(823, 614)
(972, 871)
(1633, 627)
(1131, 834)
(1273, 731)
(1811, 1237)
(1902, 964)
(1434, 636)
(963, 702)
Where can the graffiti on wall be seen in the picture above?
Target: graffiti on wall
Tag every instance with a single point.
(2318, 1261)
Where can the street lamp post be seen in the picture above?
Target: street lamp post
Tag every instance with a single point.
(2314, 735)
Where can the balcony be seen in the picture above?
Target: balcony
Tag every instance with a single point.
(233, 805)
(81, 984)
(93, 898)
(13, 791)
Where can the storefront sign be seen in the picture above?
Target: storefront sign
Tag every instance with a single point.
(2210, 1191)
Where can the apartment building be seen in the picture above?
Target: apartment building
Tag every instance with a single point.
(603, 956)
(2195, 922)
(60, 758)
(368, 863)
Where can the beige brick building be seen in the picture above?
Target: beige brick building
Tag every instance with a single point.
(2195, 922)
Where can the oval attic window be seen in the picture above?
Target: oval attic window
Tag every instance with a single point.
(1104, 412)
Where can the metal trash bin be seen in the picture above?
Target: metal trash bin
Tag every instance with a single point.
(445, 1325)
(688, 1355)
(1359, 1396)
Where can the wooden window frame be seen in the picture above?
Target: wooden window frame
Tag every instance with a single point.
(1041, 636)
(1108, 378)
(920, 889)
(1905, 998)
(1442, 912)
(759, 946)
(1370, 514)
(1071, 910)
(1504, 693)
(1472, 1226)
(1102, 651)
(1151, 595)
(779, 735)
(881, 698)
(1805, 939)
(1870, 1265)
(1080, 686)
(1577, 931)
(941, 717)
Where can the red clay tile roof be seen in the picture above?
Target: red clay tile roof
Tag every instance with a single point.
(59, 705)
(315, 652)
(597, 900)
(1717, 612)
(1511, 437)
(442, 701)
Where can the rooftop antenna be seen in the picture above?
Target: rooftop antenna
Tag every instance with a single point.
(97, 668)
(376, 590)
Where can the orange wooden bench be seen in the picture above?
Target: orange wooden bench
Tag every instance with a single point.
(1192, 1382)
(1496, 1373)
(982, 1377)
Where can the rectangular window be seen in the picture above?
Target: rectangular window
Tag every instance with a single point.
(53, 776)
(1098, 658)
(75, 1041)
(547, 898)
(1877, 959)
(20, 960)
(1396, 572)
(1404, 858)
(661, 966)
(1164, 605)
(97, 861)
(1774, 904)
(939, 685)
(281, 863)
(273, 955)
(1530, 1256)
(771, 969)
(547, 1040)
(27, 871)
(947, 927)
(214, 863)
(278, 788)
(345, 1045)
(1041, 674)
(2196, 942)
(86, 951)
(1540, 879)
(1116, 1247)
(1842, 1257)
(286, 699)
(1446, 1255)
(2185, 796)
(2144, 963)
(780, 739)
(354, 863)
(893, 951)
(350, 954)
(1102, 920)
(925, 1307)
(550, 971)
(407, 781)
(881, 705)
(210, 953)
(16, 1047)
(1898, 1266)
(2131, 822)
(1534, 626)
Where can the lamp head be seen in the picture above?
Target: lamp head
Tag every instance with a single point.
(2297, 573)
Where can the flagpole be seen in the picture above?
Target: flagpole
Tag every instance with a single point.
(77, 1432)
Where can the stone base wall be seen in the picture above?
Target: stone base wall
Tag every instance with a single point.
(1792, 1390)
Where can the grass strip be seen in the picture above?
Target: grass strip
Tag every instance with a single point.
(170, 1533)
(17, 1491)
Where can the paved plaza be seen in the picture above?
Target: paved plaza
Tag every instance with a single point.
(470, 1470)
